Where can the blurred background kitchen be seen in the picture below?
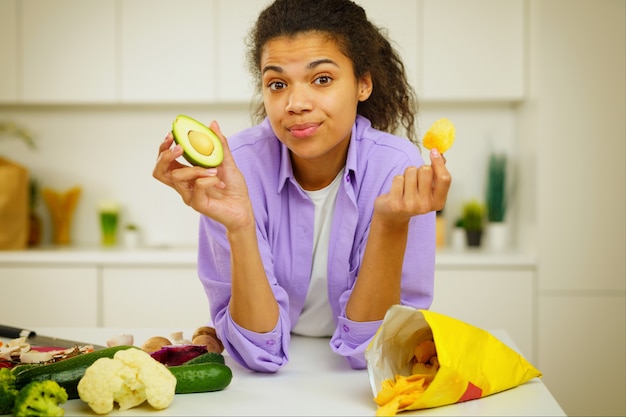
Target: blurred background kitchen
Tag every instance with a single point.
(96, 84)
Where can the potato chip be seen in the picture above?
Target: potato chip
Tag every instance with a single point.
(425, 350)
(398, 394)
(440, 135)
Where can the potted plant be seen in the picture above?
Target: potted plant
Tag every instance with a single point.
(473, 215)
(496, 199)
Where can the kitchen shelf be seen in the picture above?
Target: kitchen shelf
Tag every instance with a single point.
(153, 256)
(187, 256)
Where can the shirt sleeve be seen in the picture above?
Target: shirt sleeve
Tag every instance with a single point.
(352, 338)
(262, 352)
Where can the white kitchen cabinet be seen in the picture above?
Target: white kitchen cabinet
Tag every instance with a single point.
(36, 296)
(8, 51)
(235, 20)
(490, 298)
(400, 20)
(145, 296)
(168, 51)
(472, 50)
(68, 51)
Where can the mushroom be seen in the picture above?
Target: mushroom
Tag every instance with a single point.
(155, 343)
(211, 341)
(204, 330)
(121, 340)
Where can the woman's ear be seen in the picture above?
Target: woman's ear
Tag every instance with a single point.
(365, 86)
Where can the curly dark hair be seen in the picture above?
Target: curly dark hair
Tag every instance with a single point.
(392, 104)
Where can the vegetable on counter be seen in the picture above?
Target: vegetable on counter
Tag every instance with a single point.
(121, 340)
(131, 377)
(201, 377)
(177, 355)
(208, 357)
(68, 372)
(155, 343)
(182, 350)
(8, 392)
(40, 398)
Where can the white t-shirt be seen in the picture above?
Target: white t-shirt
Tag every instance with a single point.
(316, 318)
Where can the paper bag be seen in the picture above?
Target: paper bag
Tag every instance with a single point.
(472, 362)
(14, 206)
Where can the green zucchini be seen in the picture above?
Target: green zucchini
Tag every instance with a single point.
(201, 377)
(67, 372)
(18, 369)
(209, 357)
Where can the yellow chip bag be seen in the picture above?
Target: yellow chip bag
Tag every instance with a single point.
(470, 362)
(440, 135)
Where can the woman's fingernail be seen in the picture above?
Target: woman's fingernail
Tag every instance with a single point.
(211, 171)
(434, 153)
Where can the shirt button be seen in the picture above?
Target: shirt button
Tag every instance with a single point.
(346, 328)
(270, 342)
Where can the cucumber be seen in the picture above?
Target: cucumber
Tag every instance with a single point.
(18, 369)
(67, 372)
(209, 357)
(201, 377)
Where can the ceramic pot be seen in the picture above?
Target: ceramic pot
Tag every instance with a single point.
(474, 237)
(497, 236)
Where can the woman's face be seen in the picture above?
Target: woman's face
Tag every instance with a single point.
(311, 95)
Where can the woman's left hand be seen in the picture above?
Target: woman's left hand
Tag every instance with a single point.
(418, 191)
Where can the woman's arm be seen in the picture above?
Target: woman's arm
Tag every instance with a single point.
(418, 191)
(222, 195)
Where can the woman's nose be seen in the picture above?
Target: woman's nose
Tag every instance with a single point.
(299, 99)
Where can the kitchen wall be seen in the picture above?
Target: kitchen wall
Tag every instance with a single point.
(110, 151)
(574, 130)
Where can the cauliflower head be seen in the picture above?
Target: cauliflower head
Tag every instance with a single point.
(131, 377)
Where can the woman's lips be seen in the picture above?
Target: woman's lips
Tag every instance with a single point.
(303, 130)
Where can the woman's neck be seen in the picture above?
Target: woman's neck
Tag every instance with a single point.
(315, 174)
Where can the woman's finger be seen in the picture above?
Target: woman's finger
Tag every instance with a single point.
(442, 179)
(228, 157)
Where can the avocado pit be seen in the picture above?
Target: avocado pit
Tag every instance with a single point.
(201, 146)
(201, 142)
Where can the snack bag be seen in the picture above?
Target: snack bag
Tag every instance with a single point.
(469, 363)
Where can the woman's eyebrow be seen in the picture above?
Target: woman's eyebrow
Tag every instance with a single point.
(272, 68)
(320, 62)
(309, 66)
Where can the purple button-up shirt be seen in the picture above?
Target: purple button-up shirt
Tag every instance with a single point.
(284, 218)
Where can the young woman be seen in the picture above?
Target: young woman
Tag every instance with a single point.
(319, 218)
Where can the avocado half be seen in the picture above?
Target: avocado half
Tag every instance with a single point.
(200, 144)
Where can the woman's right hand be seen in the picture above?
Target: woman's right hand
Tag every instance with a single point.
(219, 193)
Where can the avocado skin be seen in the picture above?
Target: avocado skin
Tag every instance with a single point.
(190, 155)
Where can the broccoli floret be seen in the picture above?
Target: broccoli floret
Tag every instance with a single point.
(8, 392)
(40, 398)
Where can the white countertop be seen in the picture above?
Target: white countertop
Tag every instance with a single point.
(314, 382)
(177, 256)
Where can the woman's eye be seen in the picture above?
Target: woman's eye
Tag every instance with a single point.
(276, 85)
(323, 79)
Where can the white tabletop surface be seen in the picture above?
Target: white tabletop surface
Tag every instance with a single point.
(315, 382)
